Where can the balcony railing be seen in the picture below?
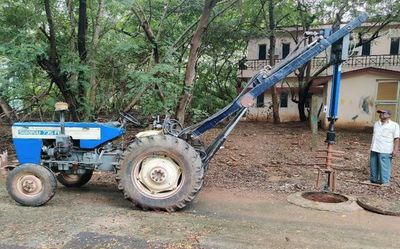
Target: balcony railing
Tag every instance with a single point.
(373, 60)
(355, 61)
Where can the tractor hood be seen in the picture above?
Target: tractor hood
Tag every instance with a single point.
(28, 136)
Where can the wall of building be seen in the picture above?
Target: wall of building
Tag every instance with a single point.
(358, 91)
(357, 99)
(356, 102)
(286, 114)
(379, 46)
(252, 49)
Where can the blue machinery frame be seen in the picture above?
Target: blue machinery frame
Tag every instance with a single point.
(264, 80)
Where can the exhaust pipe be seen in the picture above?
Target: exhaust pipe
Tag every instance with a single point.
(62, 107)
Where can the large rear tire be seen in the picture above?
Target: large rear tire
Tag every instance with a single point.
(74, 181)
(161, 173)
(31, 185)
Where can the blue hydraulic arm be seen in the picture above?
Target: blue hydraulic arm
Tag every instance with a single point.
(339, 53)
(332, 117)
(264, 80)
(336, 79)
(333, 106)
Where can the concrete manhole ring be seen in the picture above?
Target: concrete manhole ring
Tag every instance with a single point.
(380, 205)
(327, 201)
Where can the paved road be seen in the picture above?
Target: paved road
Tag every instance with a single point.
(98, 217)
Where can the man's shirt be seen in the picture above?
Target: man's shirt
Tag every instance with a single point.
(384, 135)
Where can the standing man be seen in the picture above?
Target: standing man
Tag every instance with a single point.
(385, 145)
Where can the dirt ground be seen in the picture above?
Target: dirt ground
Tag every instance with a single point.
(243, 203)
(279, 158)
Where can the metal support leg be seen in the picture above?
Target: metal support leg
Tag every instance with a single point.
(217, 143)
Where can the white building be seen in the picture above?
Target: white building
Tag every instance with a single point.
(370, 78)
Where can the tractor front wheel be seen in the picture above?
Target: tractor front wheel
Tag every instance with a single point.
(31, 184)
(160, 172)
(74, 181)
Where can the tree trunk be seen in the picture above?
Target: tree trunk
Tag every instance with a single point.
(93, 65)
(72, 77)
(193, 56)
(71, 17)
(314, 111)
(135, 99)
(82, 29)
(304, 87)
(272, 40)
(8, 111)
(148, 31)
(301, 105)
(304, 82)
(52, 66)
(150, 36)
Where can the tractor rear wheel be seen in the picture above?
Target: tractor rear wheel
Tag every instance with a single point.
(74, 181)
(31, 184)
(160, 172)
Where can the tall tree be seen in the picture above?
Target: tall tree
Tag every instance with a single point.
(92, 54)
(303, 73)
(311, 14)
(272, 42)
(82, 51)
(190, 72)
(101, 55)
(51, 64)
(149, 33)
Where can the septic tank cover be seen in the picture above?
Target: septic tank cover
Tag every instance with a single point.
(380, 205)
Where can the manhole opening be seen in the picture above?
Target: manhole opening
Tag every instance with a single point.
(324, 197)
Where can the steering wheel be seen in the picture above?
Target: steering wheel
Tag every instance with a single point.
(130, 118)
(172, 126)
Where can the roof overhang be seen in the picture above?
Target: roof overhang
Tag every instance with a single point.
(324, 79)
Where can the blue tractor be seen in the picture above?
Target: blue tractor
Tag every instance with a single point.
(162, 169)
(157, 170)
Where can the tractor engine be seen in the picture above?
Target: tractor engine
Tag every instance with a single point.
(66, 155)
(62, 148)
(63, 156)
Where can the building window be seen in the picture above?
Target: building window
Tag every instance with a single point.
(386, 97)
(262, 51)
(394, 46)
(260, 100)
(283, 99)
(285, 50)
(366, 48)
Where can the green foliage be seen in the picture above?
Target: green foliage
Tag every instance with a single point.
(198, 114)
(123, 63)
